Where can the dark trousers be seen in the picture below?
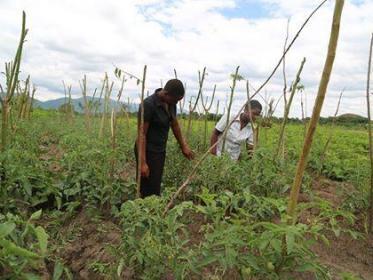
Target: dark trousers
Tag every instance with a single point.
(152, 184)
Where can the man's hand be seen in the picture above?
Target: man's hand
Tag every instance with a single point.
(214, 150)
(145, 170)
(187, 152)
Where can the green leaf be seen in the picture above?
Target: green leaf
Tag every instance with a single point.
(277, 245)
(36, 215)
(42, 237)
(306, 267)
(290, 242)
(12, 248)
(58, 270)
(120, 267)
(30, 276)
(6, 228)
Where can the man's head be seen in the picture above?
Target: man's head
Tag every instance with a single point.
(173, 91)
(253, 109)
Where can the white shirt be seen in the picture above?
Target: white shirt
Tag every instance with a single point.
(235, 136)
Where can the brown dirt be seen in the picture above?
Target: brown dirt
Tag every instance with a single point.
(52, 154)
(90, 244)
(343, 254)
(196, 221)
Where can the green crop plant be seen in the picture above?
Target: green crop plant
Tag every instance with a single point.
(23, 245)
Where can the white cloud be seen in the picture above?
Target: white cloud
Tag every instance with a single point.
(68, 39)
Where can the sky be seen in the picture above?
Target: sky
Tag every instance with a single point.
(68, 39)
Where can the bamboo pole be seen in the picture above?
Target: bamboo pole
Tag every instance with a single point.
(101, 93)
(83, 87)
(333, 40)
(31, 102)
(140, 135)
(255, 131)
(370, 208)
(108, 90)
(280, 142)
(331, 130)
(206, 110)
(11, 71)
(230, 105)
(303, 117)
(284, 64)
(201, 79)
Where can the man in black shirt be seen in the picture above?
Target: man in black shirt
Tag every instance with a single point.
(159, 116)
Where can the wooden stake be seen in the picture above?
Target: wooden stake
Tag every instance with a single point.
(140, 135)
(11, 72)
(230, 105)
(331, 130)
(287, 109)
(370, 209)
(333, 40)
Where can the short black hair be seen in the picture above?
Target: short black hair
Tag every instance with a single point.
(254, 104)
(175, 87)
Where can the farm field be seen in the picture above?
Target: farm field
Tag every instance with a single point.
(69, 209)
(296, 202)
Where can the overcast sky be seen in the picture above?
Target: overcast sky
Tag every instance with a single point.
(69, 38)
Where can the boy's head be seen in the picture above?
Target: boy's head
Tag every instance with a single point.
(253, 109)
(173, 91)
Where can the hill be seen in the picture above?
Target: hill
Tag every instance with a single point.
(78, 104)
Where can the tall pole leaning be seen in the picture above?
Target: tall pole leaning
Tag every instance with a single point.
(370, 208)
(140, 135)
(328, 66)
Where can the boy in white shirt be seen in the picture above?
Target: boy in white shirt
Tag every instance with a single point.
(239, 132)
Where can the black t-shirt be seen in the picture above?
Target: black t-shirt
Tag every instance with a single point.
(159, 120)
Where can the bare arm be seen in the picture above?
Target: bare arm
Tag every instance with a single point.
(141, 146)
(214, 138)
(180, 139)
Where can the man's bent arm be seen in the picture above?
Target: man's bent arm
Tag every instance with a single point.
(177, 132)
(214, 139)
(141, 143)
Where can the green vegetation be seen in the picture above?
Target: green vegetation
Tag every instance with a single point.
(231, 221)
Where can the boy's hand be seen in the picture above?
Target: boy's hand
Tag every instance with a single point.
(145, 170)
(187, 152)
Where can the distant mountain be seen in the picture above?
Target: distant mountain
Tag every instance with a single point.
(79, 104)
(350, 116)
